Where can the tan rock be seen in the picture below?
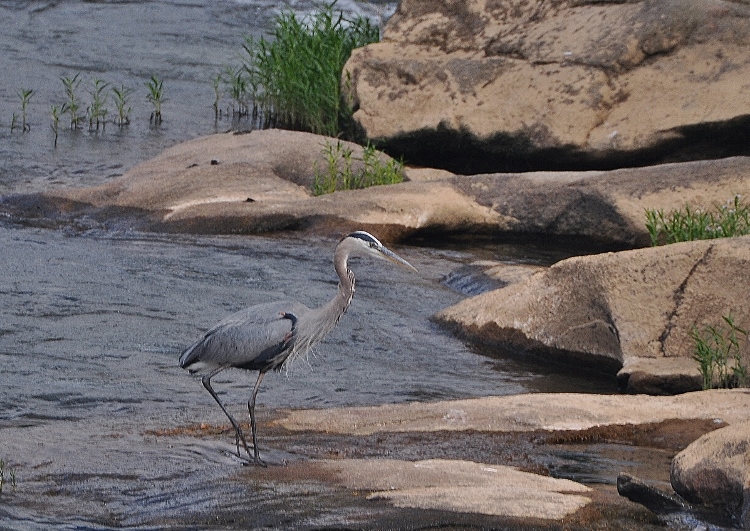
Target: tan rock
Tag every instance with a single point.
(715, 470)
(527, 412)
(492, 489)
(615, 309)
(607, 205)
(552, 85)
(262, 182)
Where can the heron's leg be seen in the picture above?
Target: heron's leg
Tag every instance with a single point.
(238, 435)
(251, 410)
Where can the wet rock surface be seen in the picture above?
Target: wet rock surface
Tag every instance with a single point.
(657, 500)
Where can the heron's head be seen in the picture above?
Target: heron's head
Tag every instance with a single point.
(365, 244)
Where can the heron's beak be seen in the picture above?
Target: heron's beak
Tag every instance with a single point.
(396, 259)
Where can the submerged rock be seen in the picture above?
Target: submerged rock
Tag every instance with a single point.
(655, 499)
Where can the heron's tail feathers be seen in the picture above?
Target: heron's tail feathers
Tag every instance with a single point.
(190, 355)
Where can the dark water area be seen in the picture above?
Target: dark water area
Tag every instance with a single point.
(92, 322)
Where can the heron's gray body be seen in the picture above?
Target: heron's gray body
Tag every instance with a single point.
(262, 326)
(265, 336)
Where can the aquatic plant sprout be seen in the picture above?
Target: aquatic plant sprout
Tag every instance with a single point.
(218, 93)
(25, 95)
(294, 78)
(56, 112)
(97, 111)
(122, 98)
(72, 104)
(156, 97)
(688, 223)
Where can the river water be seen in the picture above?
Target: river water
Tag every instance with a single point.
(93, 322)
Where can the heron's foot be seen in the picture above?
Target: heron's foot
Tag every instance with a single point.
(240, 437)
(255, 461)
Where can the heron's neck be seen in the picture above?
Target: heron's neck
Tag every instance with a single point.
(339, 304)
(324, 318)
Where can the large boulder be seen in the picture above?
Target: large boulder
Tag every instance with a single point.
(630, 311)
(262, 181)
(715, 471)
(480, 86)
(258, 182)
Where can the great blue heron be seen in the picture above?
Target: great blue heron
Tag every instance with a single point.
(263, 337)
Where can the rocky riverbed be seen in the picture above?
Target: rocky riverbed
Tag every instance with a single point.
(100, 429)
(520, 440)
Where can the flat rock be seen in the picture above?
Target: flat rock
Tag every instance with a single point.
(464, 486)
(528, 412)
(262, 181)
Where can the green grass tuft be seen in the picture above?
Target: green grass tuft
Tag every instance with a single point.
(344, 172)
(294, 78)
(687, 224)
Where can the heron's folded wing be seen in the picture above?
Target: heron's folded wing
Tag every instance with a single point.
(249, 339)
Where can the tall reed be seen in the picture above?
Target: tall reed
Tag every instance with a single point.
(237, 80)
(294, 77)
